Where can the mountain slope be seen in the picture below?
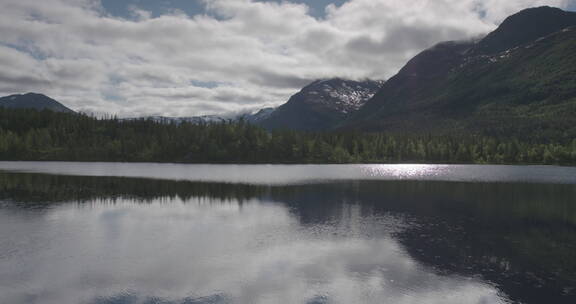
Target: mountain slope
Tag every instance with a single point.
(256, 118)
(33, 101)
(524, 27)
(321, 105)
(501, 85)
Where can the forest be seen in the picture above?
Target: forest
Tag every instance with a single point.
(53, 136)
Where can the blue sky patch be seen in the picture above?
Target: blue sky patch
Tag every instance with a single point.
(121, 8)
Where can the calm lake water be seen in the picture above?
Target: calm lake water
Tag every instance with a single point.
(164, 233)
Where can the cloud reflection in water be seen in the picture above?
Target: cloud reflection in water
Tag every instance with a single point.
(212, 251)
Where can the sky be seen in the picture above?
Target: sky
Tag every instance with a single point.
(196, 57)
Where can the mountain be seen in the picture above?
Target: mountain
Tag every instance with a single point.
(321, 105)
(257, 117)
(524, 27)
(520, 80)
(254, 118)
(33, 101)
(178, 120)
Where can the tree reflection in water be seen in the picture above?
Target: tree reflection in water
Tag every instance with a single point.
(316, 243)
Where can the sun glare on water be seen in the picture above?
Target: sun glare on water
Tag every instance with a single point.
(402, 171)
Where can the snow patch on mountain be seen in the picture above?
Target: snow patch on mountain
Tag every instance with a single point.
(344, 96)
(211, 119)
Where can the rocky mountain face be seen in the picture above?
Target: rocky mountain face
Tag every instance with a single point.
(33, 101)
(321, 105)
(519, 79)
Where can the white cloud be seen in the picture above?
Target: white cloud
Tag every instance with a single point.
(255, 53)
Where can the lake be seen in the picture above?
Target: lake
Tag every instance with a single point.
(172, 233)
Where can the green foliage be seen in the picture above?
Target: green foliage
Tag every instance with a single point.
(46, 135)
(527, 92)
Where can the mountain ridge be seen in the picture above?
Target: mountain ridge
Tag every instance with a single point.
(322, 104)
(519, 79)
(33, 101)
(466, 87)
(519, 28)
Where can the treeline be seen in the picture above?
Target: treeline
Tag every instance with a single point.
(46, 135)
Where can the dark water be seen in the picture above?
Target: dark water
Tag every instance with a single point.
(422, 237)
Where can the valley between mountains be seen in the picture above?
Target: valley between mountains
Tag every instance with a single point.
(508, 97)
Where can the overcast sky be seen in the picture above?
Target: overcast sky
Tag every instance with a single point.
(193, 57)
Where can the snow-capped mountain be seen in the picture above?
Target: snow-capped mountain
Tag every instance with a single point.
(209, 119)
(193, 119)
(256, 117)
(344, 96)
(322, 104)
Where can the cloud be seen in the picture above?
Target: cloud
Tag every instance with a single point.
(17, 69)
(256, 53)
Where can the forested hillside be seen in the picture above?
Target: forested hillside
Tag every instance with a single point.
(519, 81)
(47, 135)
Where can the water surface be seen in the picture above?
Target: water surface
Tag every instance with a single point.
(295, 174)
(96, 237)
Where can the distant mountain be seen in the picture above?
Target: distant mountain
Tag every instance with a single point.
(257, 117)
(203, 119)
(322, 104)
(33, 101)
(193, 119)
(518, 80)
